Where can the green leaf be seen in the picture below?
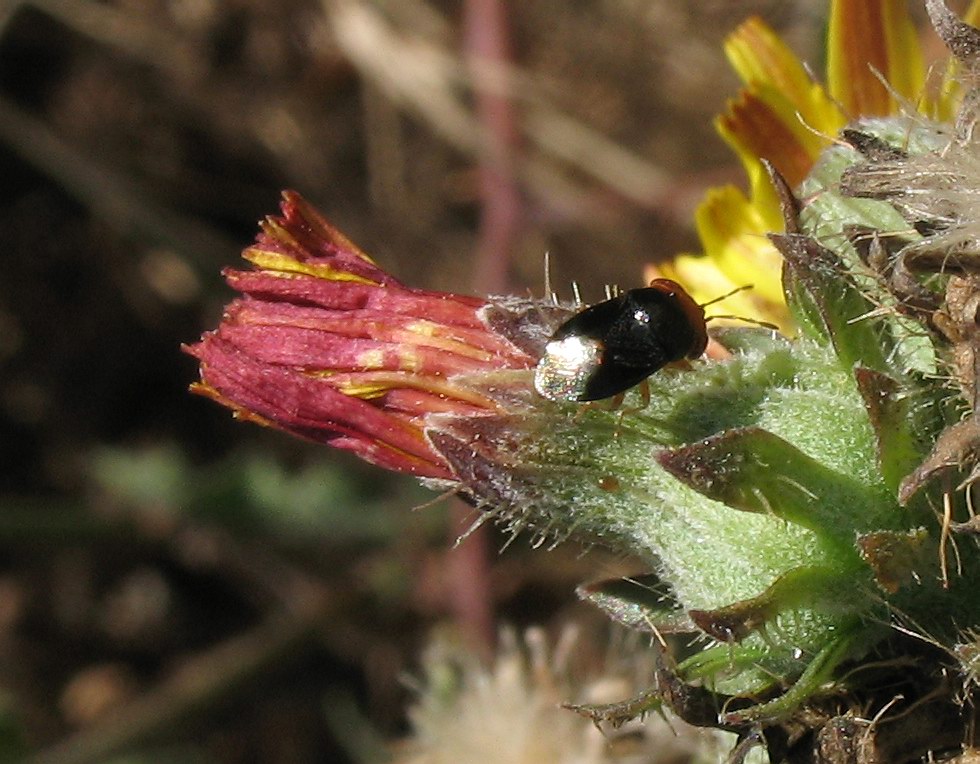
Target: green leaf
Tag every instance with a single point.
(617, 714)
(644, 603)
(820, 291)
(804, 309)
(819, 671)
(897, 443)
(752, 470)
(811, 586)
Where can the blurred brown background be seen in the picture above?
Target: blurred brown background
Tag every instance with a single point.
(184, 588)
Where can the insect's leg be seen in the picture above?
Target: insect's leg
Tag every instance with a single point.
(606, 404)
(644, 389)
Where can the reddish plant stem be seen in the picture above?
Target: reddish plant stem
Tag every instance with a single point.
(488, 51)
(486, 44)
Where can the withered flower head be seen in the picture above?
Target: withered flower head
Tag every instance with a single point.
(326, 345)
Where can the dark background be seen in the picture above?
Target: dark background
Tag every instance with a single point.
(244, 596)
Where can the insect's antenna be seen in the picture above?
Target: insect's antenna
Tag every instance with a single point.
(726, 296)
(764, 324)
(742, 288)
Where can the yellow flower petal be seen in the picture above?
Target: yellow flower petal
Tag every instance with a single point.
(767, 65)
(284, 264)
(944, 106)
(906, 73)
(734, 234)
(732, 230)
(769, 128)
(785, 117)
(869, 40)
(701, 278)
(760, 57)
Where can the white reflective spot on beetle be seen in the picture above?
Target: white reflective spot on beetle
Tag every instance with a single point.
(566, 366)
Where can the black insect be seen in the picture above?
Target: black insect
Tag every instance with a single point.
(609, 347)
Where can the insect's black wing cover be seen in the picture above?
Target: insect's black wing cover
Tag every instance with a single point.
(649, 331)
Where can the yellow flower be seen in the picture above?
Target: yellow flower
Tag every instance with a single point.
(782, 115)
